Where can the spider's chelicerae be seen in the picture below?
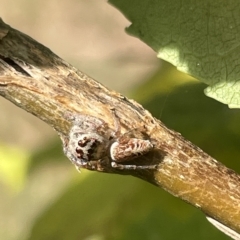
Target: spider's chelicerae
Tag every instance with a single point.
(91, 140)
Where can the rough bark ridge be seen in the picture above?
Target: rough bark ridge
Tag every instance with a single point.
(35, 79)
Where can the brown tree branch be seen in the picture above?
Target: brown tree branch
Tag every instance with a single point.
(35, 79)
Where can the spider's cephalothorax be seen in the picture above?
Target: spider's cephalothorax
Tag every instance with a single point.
(88, 141)
(89, 147)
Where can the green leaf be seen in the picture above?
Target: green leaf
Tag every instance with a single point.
(200, 38)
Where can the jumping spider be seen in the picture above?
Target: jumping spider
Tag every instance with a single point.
(90, 141)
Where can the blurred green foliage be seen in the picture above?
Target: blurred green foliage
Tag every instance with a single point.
(200, 38)
(57, 202)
